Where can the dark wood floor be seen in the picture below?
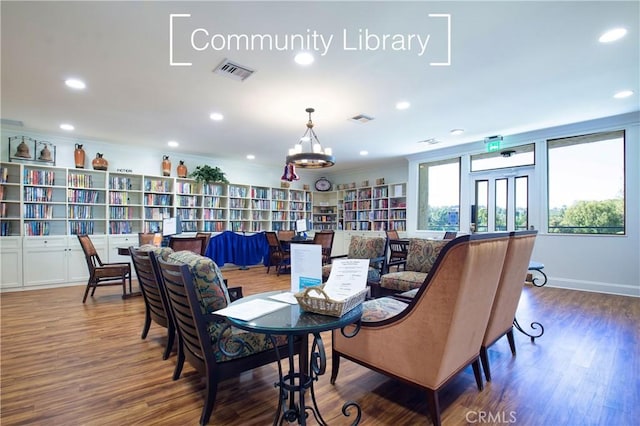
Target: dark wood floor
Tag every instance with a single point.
(65, 363)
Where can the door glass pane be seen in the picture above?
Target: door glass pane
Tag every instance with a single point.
(522, 203)
(501, 205)
(481, 206)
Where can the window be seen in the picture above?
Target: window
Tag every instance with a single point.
(501, 205)
(586, 184)
(439, 196)
(522, 203)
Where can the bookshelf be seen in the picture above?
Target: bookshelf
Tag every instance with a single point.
(124, 203)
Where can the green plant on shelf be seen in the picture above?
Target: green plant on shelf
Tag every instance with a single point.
(208, 174)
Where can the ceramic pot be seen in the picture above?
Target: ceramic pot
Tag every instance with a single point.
(181, 170)
(78, 156)
(99, 163)
(166, 166)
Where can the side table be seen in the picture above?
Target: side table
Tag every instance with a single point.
(292, 322)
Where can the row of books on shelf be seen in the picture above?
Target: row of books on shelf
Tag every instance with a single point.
(4, 174)
(210, 214)
(36, 228)
(76, 228)
(259, 193)
(187, 214)
(186, 187)
(80, 212)
(119, 198)
(82, 196)
(38, 194)
(260, 204)
(186, 201)
(3, 210)
(238, 191)
(238, 203)
(80, 180)
(153, 185)
(5, 229)
(120, 213)
(39, 177)
(120, 183)
(213, 202)
(212, 189)
(120, 228)
(156, 213)
(158, 199)
(38, 211)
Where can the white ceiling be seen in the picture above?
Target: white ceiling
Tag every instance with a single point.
(515, 66)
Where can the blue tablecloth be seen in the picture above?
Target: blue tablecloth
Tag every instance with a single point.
(242, 250)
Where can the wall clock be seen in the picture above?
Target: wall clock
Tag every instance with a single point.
(323, 184)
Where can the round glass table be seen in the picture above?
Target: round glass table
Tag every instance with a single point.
(297, 325)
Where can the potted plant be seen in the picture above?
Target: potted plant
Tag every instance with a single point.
(208, 174)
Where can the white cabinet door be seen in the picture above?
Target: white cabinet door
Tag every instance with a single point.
(44, 260)
(10, 262)
(116, 241)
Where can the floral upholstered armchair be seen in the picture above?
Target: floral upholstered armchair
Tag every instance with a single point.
(421, 256)
(372, 248)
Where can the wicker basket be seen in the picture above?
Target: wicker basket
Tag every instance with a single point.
(327, 306)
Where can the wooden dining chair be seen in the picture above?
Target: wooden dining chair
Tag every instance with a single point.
(194, 244)
(278, 257)
(325, 240)
(207, 237)
(103, 274)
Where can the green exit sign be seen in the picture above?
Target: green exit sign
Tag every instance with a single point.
(493, 146)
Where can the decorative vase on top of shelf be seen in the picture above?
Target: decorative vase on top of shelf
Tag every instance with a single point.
(99, 163)
(166, 166)
(181, 170)
(79, 156)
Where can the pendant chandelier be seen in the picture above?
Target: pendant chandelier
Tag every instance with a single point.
(313, 158)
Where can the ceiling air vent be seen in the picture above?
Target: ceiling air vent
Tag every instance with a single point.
(362, 118)
(9, 122)
(233, 70)
(430, 141)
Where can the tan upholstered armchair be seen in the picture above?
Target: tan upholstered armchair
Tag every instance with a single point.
(430, 339)
(505, 304)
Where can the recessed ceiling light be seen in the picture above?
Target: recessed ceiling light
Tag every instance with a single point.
(623, 94)
(66, 126)
(74, 83)
(456, 132)
(612, 35)
(364, 152)
(251, 157)
(403, 105)
(304, 58)
(216, 116)
(173, 144)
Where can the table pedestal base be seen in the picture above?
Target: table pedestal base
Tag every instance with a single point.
(294, 384)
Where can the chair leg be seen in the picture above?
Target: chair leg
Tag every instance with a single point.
(335, 366)
(484, 357)
(147, 323)
(512, 342)
(210, 399)
(179, 361)
(170, 339)
(434, 406)
(86, 292)
(476, 372)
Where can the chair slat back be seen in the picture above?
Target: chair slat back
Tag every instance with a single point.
(177, 282)
(90, 252)
(155, 299)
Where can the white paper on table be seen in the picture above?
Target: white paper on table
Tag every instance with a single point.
(250, 309)
(286, 297)
(306, 266)
(348, 277)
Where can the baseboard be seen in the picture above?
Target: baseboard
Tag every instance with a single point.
(595, 287)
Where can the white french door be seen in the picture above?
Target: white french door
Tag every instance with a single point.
(500, 200)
